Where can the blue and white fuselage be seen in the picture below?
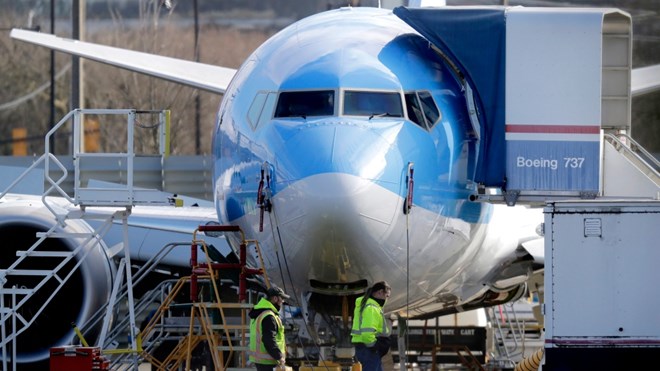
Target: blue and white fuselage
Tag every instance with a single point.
(338, 111)
(345, 146)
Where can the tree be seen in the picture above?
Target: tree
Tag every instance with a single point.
(157, 31)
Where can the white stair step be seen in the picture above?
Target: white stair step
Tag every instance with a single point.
(45, 254)
(27, 272)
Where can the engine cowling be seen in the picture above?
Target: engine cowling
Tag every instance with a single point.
(84, 292)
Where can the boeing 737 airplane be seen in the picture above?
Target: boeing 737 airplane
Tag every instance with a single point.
(347, 146)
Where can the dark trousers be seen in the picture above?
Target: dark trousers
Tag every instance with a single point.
(265, 367)
(369, 358)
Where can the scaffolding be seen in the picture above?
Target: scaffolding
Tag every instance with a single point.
(120, 198)
(220, 338)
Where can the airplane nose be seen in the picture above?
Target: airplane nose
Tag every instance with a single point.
(341, 182)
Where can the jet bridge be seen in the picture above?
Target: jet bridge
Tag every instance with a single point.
(551, 91)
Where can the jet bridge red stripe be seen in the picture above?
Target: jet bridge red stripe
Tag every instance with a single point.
(604, 342)
(553, 129)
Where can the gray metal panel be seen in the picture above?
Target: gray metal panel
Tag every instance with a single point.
(184, 175)
(645, 80)
(147, 171)
(601, 270)
(189, 175)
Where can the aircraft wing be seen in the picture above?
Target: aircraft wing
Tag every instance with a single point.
(198, 75)
(645, 80)
(214, 78)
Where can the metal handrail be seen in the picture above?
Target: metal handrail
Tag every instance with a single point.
(141, 274)
(514, 326)
(83, 248)
(619, 144)
(641, 149)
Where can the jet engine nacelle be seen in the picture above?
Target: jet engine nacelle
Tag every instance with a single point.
(83, 293)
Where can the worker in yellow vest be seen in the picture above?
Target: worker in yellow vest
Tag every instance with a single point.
(267, 343)
(370, 333)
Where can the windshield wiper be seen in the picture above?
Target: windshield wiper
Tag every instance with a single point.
(384, 114)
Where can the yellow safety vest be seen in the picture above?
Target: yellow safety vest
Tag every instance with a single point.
(369, 323)
(259, 354)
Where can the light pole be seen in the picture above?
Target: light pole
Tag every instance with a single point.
(51, 123)
(198, 146)
(78, 31)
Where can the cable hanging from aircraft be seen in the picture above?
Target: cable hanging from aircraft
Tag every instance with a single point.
(407, 207)
(264, 194)
(408, 202)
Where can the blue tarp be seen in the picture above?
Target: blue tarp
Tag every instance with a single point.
(475, 40)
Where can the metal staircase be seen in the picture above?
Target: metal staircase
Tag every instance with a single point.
(67, 208)
(517, 332)
(53, 280)
(629, 171)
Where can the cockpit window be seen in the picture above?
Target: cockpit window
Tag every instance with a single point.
(422, 109)
(306, 103)
(372, 104)
(430, 109)
(414, 110)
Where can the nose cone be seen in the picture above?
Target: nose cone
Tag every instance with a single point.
(341, 189)
(332, 223)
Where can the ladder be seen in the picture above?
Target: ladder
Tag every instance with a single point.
(220, 338)
(463, 353)
(19, 285)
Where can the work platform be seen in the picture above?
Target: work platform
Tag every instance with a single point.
(174, 174)
(82, 215)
